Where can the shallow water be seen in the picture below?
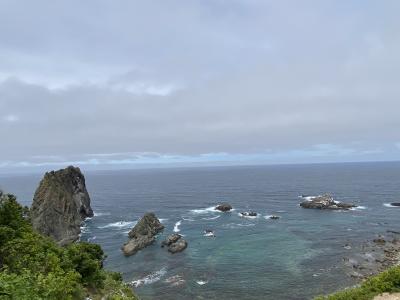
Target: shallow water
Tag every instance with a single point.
(295, 257)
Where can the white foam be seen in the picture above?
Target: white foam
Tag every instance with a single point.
(248, 217)
(188, 219)
(175, 280)
(390, 205)
(211, 218)
(163, 220)
(204, 210)
(176, 227)
(209, 234)
(84, 229)
(234, 225)
(91, 239)
(269, 217)
(359, 208)
(201, 282)
(308, 198)
(99, 214)
(151, 278)
(119, 224)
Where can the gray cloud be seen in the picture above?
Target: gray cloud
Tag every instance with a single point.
(188, 78)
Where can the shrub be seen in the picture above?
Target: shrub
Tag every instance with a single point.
(35, 267)
(385, 282)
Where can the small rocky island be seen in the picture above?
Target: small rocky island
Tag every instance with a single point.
(223, 207)
(142, 234)
(325, 201)
(175, 243)
(60, 204)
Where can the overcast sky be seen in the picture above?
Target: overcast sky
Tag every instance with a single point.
(129, 83)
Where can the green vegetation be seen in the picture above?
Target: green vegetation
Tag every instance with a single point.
(387, 281)
(35, 267)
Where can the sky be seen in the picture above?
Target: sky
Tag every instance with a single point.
(125, 84)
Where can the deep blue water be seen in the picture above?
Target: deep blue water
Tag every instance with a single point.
(295, 257)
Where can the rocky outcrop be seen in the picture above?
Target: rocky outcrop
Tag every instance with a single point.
(143, 234)
(223, 207)
(248, 214)
(372, 257)
(179, 246)
(60, 204)
(208, 233)
(325, 202)
(172, 238)
(175, 243)
(273, 217)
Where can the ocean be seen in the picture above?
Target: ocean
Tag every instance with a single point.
(296, 257)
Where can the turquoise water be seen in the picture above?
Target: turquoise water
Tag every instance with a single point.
(296, 257)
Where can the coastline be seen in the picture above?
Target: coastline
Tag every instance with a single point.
(376, 267)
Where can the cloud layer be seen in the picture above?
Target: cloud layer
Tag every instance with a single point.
(190, 78)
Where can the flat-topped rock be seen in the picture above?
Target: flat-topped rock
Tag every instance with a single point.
(325, 202)
(142, 234)
(60, 204)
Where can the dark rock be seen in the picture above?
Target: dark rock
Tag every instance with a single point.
(173, 238)
(223, 207)
(325, 202)
(379, 241)
(392, 231)
(175, 243)
(143, 234)
(60, 204)
(395, 204)
(249, 214)
(273, 217)
(178, 246)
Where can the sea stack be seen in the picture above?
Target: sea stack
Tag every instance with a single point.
(143, 234)
(60, 204)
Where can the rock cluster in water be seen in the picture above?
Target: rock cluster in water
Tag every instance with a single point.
(175, 243)
(373, 256)
(60, 204)
(142, 234)
(223, 207)
(325, 202)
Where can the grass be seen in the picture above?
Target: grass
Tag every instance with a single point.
(385, 282)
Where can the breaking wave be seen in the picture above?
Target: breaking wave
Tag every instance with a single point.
(211, 218)
(176, 227)
(390, 205)
(204, 210)
(119, 224)
(99, 214)
(151, 278)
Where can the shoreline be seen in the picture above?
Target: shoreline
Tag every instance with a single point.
(374, 267)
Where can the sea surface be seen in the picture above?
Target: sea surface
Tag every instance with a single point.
(296, 257)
